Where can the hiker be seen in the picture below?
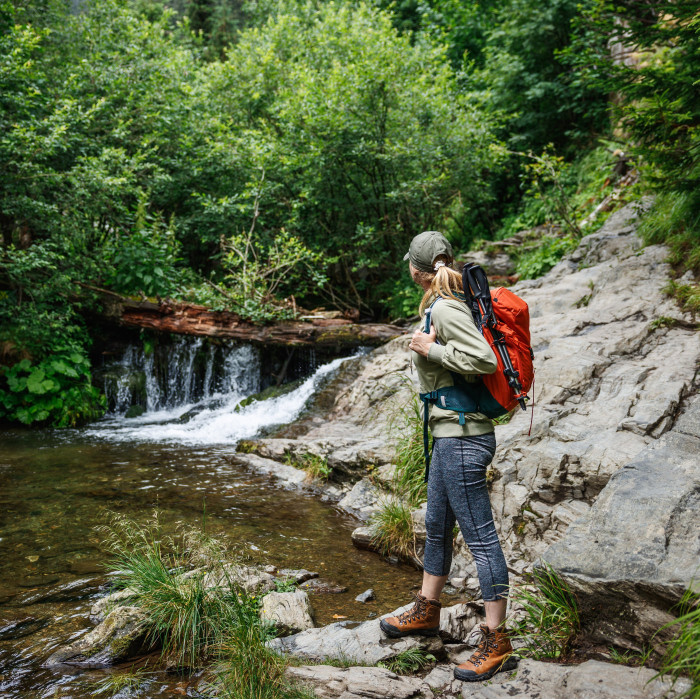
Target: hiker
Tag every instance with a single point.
(463, 446)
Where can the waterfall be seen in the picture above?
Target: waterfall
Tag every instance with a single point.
(189, 391)
(178, 374)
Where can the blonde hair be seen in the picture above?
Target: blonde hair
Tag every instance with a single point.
(443, 283)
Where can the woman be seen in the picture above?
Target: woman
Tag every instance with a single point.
(463, 447)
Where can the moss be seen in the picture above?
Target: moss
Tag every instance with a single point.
(247, 446)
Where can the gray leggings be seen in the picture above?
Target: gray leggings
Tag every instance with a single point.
(457, 492)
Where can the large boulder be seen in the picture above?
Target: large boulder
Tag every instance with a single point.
(637, 549)
(289, 611)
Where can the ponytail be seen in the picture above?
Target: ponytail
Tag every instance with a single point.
(443, 283)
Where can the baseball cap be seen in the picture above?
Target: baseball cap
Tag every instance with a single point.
(427, 246)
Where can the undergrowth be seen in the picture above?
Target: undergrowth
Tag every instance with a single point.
(551, 615)
(196, 610)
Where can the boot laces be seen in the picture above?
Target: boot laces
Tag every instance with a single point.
(487, 644)
(418, 611)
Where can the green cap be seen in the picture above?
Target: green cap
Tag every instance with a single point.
(425, 247)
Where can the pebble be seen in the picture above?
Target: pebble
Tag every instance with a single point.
(366, 596)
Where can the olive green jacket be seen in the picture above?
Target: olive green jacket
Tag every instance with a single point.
(460, 348)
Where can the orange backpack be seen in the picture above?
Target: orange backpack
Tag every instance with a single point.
(504, 320)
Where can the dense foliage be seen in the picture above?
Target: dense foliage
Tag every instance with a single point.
(257, 156)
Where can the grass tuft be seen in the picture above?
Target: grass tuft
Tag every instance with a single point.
(687, 296)
(408, 661)
(682, 657)
(551, 615)
(128, 683)
(393, 529)
(314, 465)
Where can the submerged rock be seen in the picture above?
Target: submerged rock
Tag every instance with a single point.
(120, 636)
(366, 596)
(290, 612)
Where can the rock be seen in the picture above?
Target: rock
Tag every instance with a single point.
(363, 643)
(284, 474)
(592, 679)
(457, 621)
(627, 568)
(366, 596)
(120, 636)
(37, 580)
(291, 612)
(22, 627)
(135, 411)
(355, 682)
(297, 575)
(362, 501)
(362, 537)
(320, 585)
(438, 679)
(103, 606)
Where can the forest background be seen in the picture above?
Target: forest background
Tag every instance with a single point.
(265, 155)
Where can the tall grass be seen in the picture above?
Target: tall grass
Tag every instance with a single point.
(195, 609)
(551, 615)
(408, 482)
(393, 530)
(682, 657)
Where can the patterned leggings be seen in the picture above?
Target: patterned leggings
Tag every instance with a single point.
(457, 492)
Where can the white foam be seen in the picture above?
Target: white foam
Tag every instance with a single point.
(219, 424)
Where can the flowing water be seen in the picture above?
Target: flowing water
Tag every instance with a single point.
(56, 486)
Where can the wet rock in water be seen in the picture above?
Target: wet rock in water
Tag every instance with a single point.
(297, 575)
(102, 607)
(291, 612)
(320, 585)
(366, 596)
(354, 682)
(136, 411)
(81, 567)
(355, 642)
(22, 627)
(66, 592)
(285, 474)
(362, 537)
(120, 636)
(34, 581)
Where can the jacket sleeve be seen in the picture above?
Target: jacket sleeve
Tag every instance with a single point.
(463, 349)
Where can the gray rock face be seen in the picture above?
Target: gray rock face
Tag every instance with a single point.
(121, 635)
(355, 682)
(290, 612)
(363, 500)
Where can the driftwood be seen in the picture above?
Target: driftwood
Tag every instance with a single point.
(192, 319)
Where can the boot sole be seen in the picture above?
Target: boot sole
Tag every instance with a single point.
(394, 632)
(470, 677)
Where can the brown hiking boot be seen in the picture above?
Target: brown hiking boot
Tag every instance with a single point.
(423, 618)
(493, 654)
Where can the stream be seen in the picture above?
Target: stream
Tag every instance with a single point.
(58, 486)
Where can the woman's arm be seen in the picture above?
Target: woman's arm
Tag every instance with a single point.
(464, 350)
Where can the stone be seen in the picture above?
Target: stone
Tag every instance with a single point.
(362, 537)
(297, 575)
(457, 621)
(355, 682)
(21, 627)
(290, 611)
(362, 643)
(320, 585)
(591, 679)
(120, 636)
(362, 501)
(103, 606)
(366, 596)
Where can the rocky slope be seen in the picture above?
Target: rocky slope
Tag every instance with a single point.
(605, 485)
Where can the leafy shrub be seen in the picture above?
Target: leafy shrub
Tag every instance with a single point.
(551, 618)
(56, 390)
(542, 259)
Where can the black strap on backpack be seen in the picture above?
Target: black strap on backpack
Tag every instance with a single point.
(478, 294)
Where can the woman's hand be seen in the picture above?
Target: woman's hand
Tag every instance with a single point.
(421, 342)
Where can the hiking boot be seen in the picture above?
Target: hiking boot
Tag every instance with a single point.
(493, 654)
(423, 618)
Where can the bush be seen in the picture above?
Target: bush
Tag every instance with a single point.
(56, 390)
(542, 259)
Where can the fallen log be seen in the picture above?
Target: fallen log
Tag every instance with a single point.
(170, 316)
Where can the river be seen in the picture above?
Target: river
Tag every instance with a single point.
(57, 486)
